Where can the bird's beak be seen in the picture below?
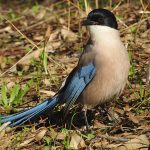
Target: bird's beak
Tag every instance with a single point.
(87, 22)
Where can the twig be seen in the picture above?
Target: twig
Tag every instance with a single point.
(143, 20)
(141, 1)
(68, 15)
(30, 41)
(117, 6)
(96, 4)
(19, 60)
(86, 6)
(76, 6)
(119, 139)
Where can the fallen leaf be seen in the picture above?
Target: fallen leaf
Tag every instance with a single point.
(40, 135)
(99, 125)
(112, 115)
(4, 143)
(58, 135)
(41, 14)
(46, 82)
(53, 46)
(53, 35)
(133, 118)
(120, 111)
(2, 110)
(140, 142)
(2, 133)
(6, 29)
(38, 38)
(10, 84)
(77, 141)
(48, 33)
(68, 35)
(26, 142)
(49, 93)
(27, 59)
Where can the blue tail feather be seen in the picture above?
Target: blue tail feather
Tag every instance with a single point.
(22, 117)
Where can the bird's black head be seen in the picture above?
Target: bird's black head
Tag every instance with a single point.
(101, 17)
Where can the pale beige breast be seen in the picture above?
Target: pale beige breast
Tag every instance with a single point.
(111, 76)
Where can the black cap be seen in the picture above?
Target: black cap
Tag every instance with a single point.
(101, 17)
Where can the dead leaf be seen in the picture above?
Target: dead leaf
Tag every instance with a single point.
(62, 21)
(27, 59)
(2, 63)
(10, 84)
(2, 110)
(120, 111)
(49, 93)
(13, 69)
(144, 128)
(40, 135)
(99, 125)
(48, 33)
(26, 142)
(6, 29)
(68, 35)
(2, 133)
(46, 82)
(53, 46)
(140, 142)
(135, 95)
(133, 118)
(52, 42)
(77, 141)
(127, 107)
(100, 142)
(58, 135)
(112, 115)
(38, 38)
(4, 143)
(41, 14)
(53, 35)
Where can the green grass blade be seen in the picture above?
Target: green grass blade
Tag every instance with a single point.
(4, 95)
(14, 93)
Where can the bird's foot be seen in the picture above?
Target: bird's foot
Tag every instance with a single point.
(85, 118)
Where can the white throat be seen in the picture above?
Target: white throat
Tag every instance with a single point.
(103, 34)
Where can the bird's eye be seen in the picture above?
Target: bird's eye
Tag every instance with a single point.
(100, 20)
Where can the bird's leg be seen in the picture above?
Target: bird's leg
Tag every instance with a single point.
(85, 117)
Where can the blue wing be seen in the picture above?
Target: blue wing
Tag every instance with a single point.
(80, 79)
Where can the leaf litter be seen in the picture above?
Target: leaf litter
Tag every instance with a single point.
(26, 29)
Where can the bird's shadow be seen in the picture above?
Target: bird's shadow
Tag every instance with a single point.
(73, 120)
(75, 117)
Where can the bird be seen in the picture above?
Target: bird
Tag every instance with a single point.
(99, 76)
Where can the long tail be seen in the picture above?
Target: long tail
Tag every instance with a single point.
(24, 116)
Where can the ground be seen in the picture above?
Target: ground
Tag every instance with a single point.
(40, 44)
